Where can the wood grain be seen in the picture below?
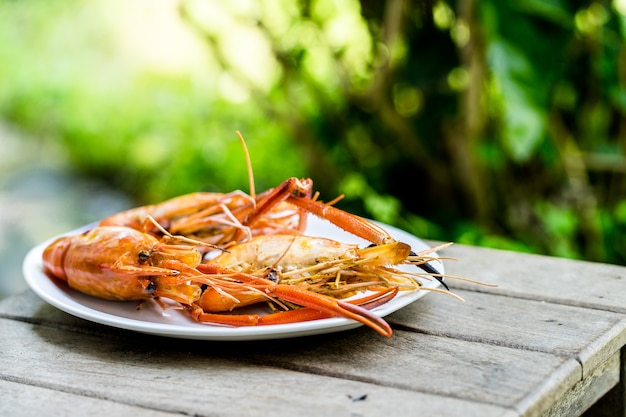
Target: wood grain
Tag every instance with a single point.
(546, 341)
(199, 378)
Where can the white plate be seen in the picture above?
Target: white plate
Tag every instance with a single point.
(153, 319)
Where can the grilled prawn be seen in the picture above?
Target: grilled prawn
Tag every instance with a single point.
(121, 263)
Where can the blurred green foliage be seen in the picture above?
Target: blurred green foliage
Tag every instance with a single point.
(490, 123)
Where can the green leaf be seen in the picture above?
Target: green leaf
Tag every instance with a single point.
(524, 123)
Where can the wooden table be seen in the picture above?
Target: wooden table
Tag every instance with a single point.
(547, 341)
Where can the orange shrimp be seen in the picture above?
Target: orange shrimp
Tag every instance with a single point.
(283, 198)
(156, 251)
(320, 265)
(221, 219)
(121, 263)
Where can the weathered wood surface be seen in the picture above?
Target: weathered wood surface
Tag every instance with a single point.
(546, 341)
(541, 278)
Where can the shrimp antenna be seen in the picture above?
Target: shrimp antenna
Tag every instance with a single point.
(181, 237)
(249, 164)
(426, 267)
(433, 271)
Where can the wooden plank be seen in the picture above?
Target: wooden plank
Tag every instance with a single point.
(613, 404)
(448, 367)
(540, 278)
(476, 372)
(549, 332)
(587, 335)
(17, 399)
(582, 395)
(199, 378)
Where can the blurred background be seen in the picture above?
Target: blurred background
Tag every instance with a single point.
(488, 123)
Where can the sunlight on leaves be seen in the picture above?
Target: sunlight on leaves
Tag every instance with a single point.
(524, 123)
(443, 15)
